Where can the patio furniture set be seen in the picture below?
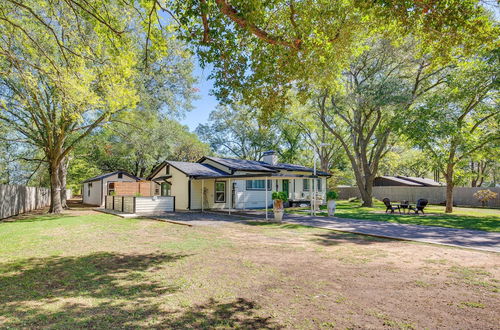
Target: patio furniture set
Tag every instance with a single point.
(405, 206)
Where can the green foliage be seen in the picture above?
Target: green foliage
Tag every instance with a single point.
(261, 50)
(280, 195)
(485, 195)
(235, 131)
(461, 119)
(138, 148)
(332, 195)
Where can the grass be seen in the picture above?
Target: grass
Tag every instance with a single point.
(99, 271)
(462, 218)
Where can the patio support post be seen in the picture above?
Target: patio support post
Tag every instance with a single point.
(202, 193)
(267, 191)
(311, 194)
(243, 194)
(230, 199)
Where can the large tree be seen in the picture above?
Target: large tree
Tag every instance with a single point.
(373, 96)
(262, 49)
(66, 69)
(138, 147)
(461, 119)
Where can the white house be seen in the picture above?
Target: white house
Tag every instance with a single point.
(222, 183)
(95, 189)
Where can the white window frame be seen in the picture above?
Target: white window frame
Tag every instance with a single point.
(258, 189)
(216, 192)
(305, 182)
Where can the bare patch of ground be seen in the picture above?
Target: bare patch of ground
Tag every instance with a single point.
(101, 271)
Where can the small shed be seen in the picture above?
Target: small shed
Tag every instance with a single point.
(405, 181)
(95, 189)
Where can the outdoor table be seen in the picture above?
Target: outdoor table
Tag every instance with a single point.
(404, 207)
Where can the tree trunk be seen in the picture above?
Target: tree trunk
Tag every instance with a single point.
(63, 172)
(55, 188)
(449, 192)
(367, 193)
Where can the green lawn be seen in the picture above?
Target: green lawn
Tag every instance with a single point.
(463, 218)
(92, 270)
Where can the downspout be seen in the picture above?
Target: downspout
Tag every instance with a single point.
(189, 194)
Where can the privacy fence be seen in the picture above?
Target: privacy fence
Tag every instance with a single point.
(435, 195)
(17, 199)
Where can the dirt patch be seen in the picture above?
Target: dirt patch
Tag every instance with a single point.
(144, 273)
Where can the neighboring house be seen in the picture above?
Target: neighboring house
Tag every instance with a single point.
(216, 183)
(407, 181)
(94, 189)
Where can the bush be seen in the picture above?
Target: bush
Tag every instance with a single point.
(280, 195)
(485, 195)
(332, 195)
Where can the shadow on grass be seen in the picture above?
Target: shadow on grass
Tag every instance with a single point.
(98, 275)
(277, 225)
(332, 238)
(37, 217)
(328, 237)
(239, 313)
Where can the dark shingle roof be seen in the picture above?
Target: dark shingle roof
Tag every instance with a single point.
(242, 164)
(424, 181)
(196, 169)
(401, 180)
(254, 165)
(105, 175)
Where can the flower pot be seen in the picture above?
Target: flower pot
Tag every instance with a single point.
(278, 215)
(278, 209)
(332, 205)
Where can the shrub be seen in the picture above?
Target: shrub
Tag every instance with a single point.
(137, 194)
(332, 195)
(112, 193)
(485, 195)
(280, 195)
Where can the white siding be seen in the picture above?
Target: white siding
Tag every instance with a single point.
(94, 198)
(154, 204)
(99, 189)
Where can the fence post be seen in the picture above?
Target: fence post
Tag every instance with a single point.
(123, 202)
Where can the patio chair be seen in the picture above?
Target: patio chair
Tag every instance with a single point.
(388, 206)
(421, 204)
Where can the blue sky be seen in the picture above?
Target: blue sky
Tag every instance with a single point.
(205, 104)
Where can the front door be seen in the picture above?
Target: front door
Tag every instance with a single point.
(285, 185)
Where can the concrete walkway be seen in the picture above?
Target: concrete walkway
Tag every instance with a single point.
(465, 238)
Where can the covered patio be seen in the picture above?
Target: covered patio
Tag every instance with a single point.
(228, 199)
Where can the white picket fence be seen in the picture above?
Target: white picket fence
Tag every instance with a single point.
(463, 196)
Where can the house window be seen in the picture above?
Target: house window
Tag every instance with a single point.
(319, 184)
(111, 188)
(165, 189)
(88, 190)
(220, 191)
(257, 184)
(120, 175)
(157, 189)
(305, 184)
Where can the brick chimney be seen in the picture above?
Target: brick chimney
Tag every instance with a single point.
(270, 157)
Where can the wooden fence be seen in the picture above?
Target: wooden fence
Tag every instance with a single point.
(463, 196)
(17, 199)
